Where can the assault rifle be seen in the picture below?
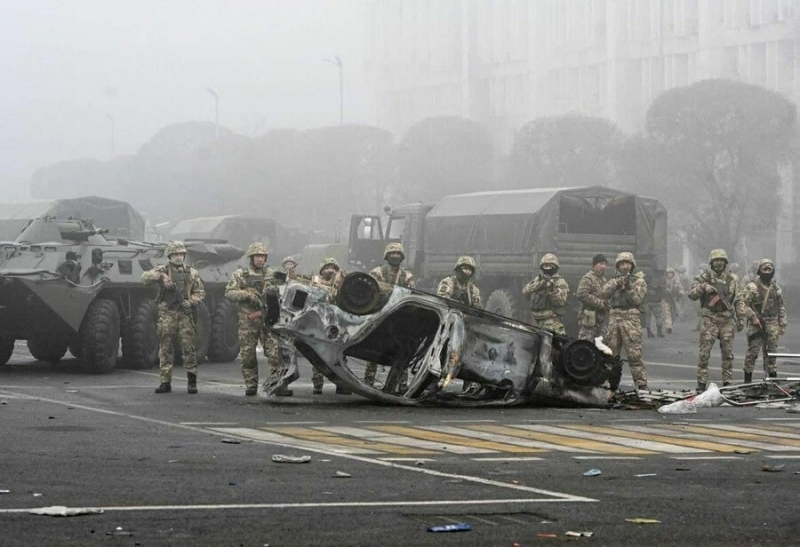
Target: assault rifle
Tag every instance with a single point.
(718, 298)
(175, 299)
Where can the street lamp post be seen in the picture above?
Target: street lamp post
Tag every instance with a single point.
(337, 61)
(216, 112)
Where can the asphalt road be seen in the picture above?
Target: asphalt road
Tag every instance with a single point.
(196, 469)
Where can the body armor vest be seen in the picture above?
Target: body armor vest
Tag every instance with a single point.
(773, 300)
(461, 295)
(395, 278)
(622, 299)
(182, 279)
(722, 285)
(255, 280)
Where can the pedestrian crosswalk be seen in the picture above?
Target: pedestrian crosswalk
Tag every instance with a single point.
(531, 441)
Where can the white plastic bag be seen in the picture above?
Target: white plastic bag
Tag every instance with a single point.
(685, 406)
(710, 397)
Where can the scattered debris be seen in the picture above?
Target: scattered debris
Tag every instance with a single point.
(231, 483)
(460, 527)
(72, 391)
(37, 495)
(579, 534)
(280, 458)
(592, 473)
(118, 531)
(743, 451)
(683, 469)
(3, 402)
(679, 407)
(5, 491)
(646, 475)
(342, 475)
(773, 468)
(419, 463)
(64, 511)
(543, 535)
(226, 440)
(173, 461)
(643, 521)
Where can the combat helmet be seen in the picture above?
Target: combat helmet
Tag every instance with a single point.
(733, 267)
(670, 271)
(549, 258)
(466, 261)
(717, 254)
(394, 247)
(175, 247)
(288, 259)
(764, 262)
(256, 248)
(328, 261)
(681, 269)
(625, 257)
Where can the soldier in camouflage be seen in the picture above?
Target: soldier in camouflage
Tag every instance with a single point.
(625, 294)
(245, 288)
(592, 309)
(673, 293)
(548, 293)
(768, 322)
(180, 291)
(331, 276)
(391, 272)
(460, 286)
(654, 306)
(722, 311)
(289, 265)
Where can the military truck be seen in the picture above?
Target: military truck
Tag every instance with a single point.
(65, 285)
(507, 232)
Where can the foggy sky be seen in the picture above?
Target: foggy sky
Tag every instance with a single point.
(67, 65)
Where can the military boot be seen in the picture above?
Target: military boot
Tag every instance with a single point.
(669, 330)
(701, 387)
(650, 333)
(251, 391)
(284, 392)
(660, 334)
(165, 387)
(748, 377)
(192, 385)
(773, 374)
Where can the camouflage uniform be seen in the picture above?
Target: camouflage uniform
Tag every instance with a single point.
(244, 289)
(673, 293)
(176, 305)
(710, 288)
(625, 294)
(394, 275)
(548, 294)
(592, 308)
(462, 291)
(654, 306)
(766, 302)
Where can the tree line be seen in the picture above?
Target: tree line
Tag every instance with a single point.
(714, 152)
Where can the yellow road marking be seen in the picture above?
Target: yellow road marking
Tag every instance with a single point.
(573, 442)
(704, 445)
(330, 438)
(455, 439)
(735, 435)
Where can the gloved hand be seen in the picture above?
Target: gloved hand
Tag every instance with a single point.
(187, 306)
(255, 300)
(739, 326)
(166, 281)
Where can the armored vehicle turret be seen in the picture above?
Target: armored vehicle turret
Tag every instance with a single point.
(65, 285)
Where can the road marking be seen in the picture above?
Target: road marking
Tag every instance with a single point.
(270, 437)
(489, 446)
(783, 456)
(488, 433)
(606, 457)
(611, 436)
(291, 423)
(555, 496)
(678, 442)
(379, 436)
(382, 422)
(322, 435)
(407, 459)
(706, 458)
(731, 441)
(509, 459)
(791, 439)
(778, 419)
(467, 421)
(215, 507)
(560, 441)
(208, 423)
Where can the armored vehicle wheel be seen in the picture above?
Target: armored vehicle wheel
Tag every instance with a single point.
(502, 303)
(100, 336)
(224, 344)
(140, 337)
(203, 332)
(6, 349)
(48, 348)
(75, 347)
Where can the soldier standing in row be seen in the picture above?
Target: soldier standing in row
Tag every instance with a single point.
(765, 299)
(592, 308)
(331, 276)
(391, 272)
(289, 265)
(460, 286)
(673, 293)
(654, 306)
(625, 294)
(548, 293)
(180, 291)
(722, 310)
(245, 288)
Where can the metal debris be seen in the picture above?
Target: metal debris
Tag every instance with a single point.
(342, 475)
(280, 458)
(64, 511)
(773, 468)
(592, 473)
(231, 441)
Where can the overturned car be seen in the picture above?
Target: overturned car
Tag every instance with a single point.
(423, 343)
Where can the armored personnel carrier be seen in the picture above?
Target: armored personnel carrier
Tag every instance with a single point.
(65, 285)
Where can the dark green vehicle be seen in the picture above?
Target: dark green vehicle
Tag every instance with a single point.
(507, 232)
(65, 285)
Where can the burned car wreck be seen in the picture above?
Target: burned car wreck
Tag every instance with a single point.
(433, 341)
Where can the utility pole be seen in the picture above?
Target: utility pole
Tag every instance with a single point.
(337, 61)
(216, 112)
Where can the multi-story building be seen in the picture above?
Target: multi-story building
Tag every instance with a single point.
(506, 62)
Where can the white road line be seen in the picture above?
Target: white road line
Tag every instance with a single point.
(468, 421)
(215, 507)
(706, 458)
(780, 420)
(268, 436)
(382, 422)
(391, 438)
(606, 458)
(507, 439)
(407, 459)
(556, 496)
(784, 457)
(652, 446)
(264, 424)
(751, 430)
(209, 423)
(509, 459)
(709, 438)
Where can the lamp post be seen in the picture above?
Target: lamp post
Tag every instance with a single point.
(111, 132)
(337, 61)
(216, 112)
